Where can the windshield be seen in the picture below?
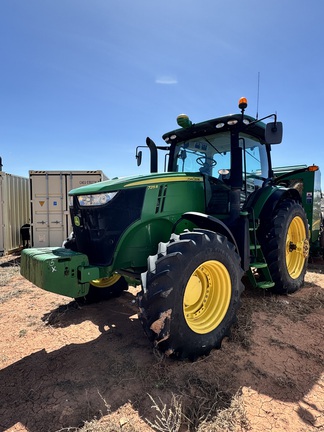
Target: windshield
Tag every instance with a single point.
(212, 155)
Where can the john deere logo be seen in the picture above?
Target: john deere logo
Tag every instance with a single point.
(77, 221)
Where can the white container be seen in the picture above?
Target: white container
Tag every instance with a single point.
(14, 211)
(50, 218)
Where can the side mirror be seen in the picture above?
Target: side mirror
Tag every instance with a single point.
(138, 157)
(273, 133)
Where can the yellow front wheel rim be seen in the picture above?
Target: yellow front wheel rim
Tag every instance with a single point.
(207, 297)
(106, 281)
(297, 247)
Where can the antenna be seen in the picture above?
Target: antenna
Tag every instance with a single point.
(258, 94)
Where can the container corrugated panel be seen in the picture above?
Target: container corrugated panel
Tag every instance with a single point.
(50, 218)
(14, 210)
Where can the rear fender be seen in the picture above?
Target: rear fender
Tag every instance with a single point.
(278, 195)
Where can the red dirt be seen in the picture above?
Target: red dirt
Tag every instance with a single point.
(62, 364)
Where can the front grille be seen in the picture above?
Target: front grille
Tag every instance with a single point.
(100, 227)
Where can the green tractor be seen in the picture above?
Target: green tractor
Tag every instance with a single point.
(189, 234)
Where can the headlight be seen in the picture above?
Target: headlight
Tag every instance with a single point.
(96, 199)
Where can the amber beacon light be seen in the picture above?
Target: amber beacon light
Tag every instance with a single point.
(243, 103)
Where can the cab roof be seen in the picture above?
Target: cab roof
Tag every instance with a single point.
(250, 126)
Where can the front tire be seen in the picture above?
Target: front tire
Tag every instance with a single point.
(285, 244)
(191, 293)
(105, 289)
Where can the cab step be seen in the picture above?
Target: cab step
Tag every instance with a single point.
(259, 265)
(258, 273)
(265, 284)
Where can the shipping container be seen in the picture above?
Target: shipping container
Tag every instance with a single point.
(14, 211)
(49, 208)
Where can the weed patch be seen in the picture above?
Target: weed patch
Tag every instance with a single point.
(7, 273)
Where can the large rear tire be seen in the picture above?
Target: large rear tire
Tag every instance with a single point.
(191, 293)
(285, 244)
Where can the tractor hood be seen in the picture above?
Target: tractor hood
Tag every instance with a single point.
(117, 184)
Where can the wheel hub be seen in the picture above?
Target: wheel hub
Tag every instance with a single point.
(193, 293)
(207, 297)
(297, 247)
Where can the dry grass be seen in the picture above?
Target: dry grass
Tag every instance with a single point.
(199, 404)
(211, 411)
(203, 400)
(9, 269)
(291, 306)
(105, 424)
(167, 419)
(229, 419)
(14, 293)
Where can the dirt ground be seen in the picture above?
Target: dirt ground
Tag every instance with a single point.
(62, 364)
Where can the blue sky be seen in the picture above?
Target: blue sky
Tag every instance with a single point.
(85, 82)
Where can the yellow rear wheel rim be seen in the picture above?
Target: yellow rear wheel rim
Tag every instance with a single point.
(106, 281)
(297, 247)
(207, 297)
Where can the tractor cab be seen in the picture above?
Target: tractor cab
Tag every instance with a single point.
(211, 155)
(231, 152)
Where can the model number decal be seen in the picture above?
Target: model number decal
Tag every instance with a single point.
(195, 179)
(152, 187)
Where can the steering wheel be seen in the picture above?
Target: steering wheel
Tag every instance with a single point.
(255, 176)
(202, 160)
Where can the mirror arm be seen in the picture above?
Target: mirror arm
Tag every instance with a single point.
(268, 116)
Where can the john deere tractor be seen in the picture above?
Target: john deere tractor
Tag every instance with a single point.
(188, 235)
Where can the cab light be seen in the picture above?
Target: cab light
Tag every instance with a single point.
(313, 168)
(219, 125)
(96, 199)
(232, 122)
